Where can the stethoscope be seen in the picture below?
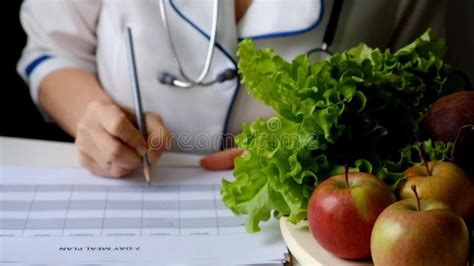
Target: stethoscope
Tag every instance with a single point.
(188, 82)
(228, 74)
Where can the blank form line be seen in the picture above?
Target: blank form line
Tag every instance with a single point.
(29, 211)
(105, 209)
(143, 206)
(215, 207)
(113, 204)
(179, 211)
(67, 209)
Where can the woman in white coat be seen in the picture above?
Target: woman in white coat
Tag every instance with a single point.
(76, 66)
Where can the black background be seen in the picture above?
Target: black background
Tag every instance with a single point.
(19, 116)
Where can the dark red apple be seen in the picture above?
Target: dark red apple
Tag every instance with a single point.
(448, 114)
(342, 211)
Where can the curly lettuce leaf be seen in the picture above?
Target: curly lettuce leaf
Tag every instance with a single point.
(362, 107)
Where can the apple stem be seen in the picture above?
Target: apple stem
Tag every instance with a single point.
(424, 158)
(413, 188)
(346, 175)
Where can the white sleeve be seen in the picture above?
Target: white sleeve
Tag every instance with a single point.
(60, 34)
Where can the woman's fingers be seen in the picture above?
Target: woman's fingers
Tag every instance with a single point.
(111, 171)
(222, 160)
(108, 143)
(91, 158)
(116, 123)
(103, 129)
(113, 150)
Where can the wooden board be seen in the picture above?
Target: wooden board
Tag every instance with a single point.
(306, 250)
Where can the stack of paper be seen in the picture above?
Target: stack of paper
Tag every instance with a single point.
(66, 215)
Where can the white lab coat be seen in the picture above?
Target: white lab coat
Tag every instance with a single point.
(88, 34)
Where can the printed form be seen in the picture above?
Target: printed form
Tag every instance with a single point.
(66, 215)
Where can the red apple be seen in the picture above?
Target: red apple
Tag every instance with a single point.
(443, 181)
(342, 211)
(419, 232)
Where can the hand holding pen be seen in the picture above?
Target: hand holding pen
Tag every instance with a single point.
(108, 141)
(110, 144)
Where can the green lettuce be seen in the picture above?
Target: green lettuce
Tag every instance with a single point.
(362, 107)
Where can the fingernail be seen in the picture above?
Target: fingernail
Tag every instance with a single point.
(141, 150)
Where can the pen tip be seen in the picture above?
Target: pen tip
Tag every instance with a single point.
(146, 172)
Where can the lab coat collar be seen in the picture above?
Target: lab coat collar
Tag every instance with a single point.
(266, 19)
(282, 18)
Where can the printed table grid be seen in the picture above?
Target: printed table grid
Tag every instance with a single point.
(102, 210)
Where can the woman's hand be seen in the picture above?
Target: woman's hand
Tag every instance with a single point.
(223, 160)
(110, 145)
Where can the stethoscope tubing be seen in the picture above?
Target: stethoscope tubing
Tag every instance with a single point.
(188, 81)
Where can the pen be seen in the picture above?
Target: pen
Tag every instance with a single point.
(137, 97)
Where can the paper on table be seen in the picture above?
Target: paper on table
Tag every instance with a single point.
(66, 215)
